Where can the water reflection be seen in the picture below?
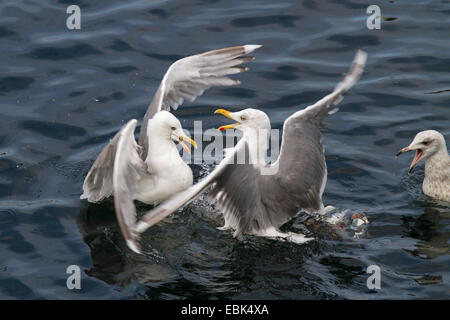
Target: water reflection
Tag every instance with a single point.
(112, 261)
(431, 229)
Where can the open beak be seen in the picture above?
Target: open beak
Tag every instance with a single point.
(226, 114)
(417, 157)
(182, 139)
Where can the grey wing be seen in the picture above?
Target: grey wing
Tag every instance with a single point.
(234, 188)
(301, 169)
(98, 182)
(189, 77)
(301, 172)
(129, 168)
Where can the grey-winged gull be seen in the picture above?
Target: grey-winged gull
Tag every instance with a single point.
(430, 145)
(152, 170)
(256, 197)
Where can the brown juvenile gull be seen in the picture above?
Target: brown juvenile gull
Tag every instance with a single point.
(430, 145)
(257, 197)
(152, 170)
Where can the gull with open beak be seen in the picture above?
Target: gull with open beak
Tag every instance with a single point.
(152, 169)
(430, 145)
(257, 197)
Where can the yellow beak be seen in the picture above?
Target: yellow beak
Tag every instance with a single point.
(181, 139)
(226, 114)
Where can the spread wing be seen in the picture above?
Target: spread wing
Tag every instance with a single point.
(301, 164)
(98, 182)
(129, 168)
(116, 172)
(189, 77)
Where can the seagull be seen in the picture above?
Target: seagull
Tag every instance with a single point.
(151, 170)
(430, 145)
(256, 197)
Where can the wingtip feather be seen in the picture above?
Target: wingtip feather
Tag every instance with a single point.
(251, 47)
(360, 57)
(134, 246)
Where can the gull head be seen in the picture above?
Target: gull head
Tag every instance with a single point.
(169, 127)
(426, 144)
(246, 120)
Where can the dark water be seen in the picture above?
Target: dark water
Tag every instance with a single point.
(64, 94)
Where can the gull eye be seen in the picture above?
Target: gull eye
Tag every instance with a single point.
(243, 118)
(425, 143)
(173, 128)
